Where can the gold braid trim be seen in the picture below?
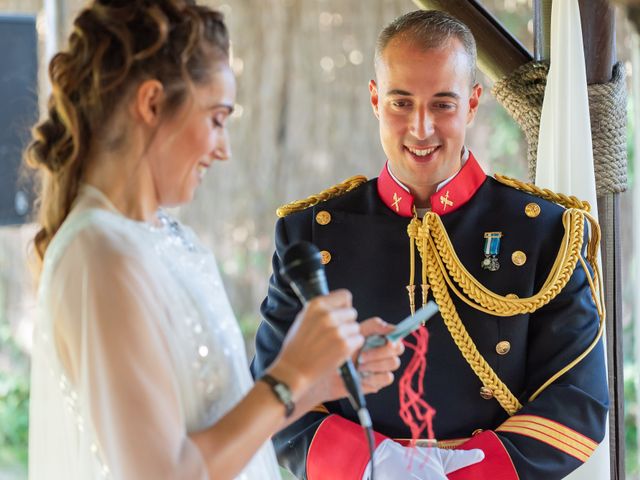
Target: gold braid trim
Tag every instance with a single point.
(331, 192)
(598, 298)
(567, 201)
(479, 297)
(597, 293)
(444, 269)
(456, 328)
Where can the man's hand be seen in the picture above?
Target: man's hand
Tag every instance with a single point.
(375, 366)
(393, 461)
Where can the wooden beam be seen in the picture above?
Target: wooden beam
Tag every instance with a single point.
(499, 52)
(598, 34)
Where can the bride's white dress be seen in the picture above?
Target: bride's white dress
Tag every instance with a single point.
(135, 346)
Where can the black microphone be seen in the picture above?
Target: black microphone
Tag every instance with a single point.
(302, 268)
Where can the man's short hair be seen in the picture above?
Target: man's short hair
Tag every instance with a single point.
(429, 29)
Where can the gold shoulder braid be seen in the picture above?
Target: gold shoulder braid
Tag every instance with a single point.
(443, 270)
(331, 192)
(567, 201)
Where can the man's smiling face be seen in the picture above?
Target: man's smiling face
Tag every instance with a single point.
(424, 101)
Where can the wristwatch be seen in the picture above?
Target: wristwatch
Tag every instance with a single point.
(281, 391)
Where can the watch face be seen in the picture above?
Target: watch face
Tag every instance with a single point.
(283, 392)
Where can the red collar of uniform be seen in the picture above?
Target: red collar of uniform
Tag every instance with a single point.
(446, 200)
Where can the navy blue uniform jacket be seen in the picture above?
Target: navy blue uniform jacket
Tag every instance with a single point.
(369, 248)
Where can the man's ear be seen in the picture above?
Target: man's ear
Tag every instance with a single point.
(474, 101)
(148, 101)
(373, 90)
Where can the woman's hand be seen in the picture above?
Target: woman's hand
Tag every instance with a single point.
(375, 366)
(324, 334)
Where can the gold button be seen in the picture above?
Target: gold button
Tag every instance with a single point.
(532, 210)
(503, 347)
(326, 257)
(512, 295)
(518, 258)
(476, 432)
(486, 393)
(323, 217)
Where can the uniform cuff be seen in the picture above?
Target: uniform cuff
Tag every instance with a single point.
(497, 464)
(552, 433)
(339, 450)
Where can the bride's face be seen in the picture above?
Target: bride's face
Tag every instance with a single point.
(186, 145)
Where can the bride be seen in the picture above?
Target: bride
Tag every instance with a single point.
(139, 368)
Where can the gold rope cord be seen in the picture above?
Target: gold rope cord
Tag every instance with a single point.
(458, 331)
(595, 281)
(442, 264)
(594, 242)
(412, 231)
(492, 303)
(337, 190)
(598, 299)
(597, 294)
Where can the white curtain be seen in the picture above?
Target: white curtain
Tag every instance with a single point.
(565, 154)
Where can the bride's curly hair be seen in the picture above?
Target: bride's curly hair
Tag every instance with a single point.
(113, 46)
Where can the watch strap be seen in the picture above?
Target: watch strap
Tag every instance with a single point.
(282, 392)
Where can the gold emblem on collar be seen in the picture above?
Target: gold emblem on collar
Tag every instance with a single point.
(444, 200)
(396, 201)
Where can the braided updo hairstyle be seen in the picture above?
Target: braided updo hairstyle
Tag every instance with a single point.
(114, 45)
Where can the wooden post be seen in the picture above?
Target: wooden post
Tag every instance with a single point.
(598, 34)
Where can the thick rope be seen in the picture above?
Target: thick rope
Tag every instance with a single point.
(522, 94)
(608, 111)
(335, 191)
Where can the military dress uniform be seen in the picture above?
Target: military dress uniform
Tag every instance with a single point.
(515, 362)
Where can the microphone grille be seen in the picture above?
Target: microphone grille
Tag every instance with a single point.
(300, 260)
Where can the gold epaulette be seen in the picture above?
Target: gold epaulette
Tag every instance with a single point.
(331, 192)
(567, 201)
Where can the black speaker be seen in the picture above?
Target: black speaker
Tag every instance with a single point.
(18, 112)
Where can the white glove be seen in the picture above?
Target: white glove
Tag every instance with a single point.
(393, 461)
